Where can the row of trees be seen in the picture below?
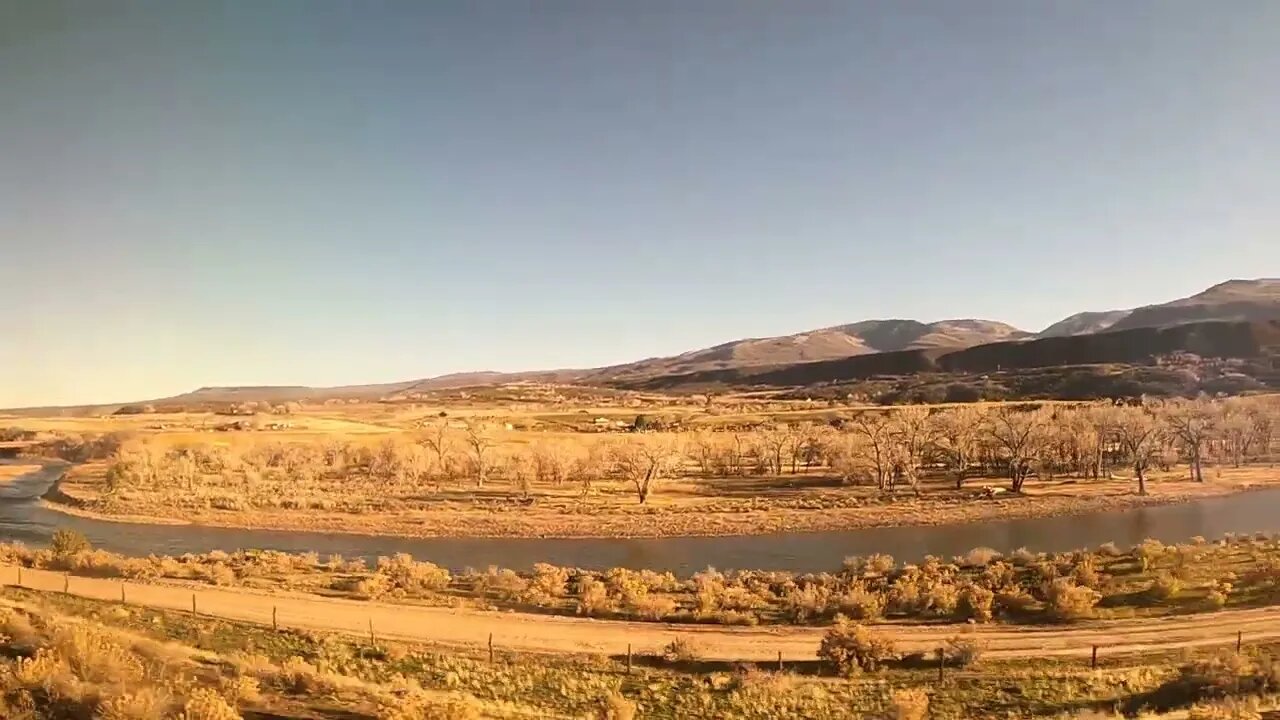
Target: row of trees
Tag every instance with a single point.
(889, 449)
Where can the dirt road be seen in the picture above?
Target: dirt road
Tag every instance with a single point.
(546, 633)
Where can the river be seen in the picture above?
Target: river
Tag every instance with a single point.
(23, 519)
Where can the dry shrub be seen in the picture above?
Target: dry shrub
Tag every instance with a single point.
(141, 704)
(1086, 574)
(976, 603)
(1110, 549)
(240, 689)
(961, 651)
(909, 704)
(1023, 557)
(880, 564)
(679, 650)
(207, 704)
(95, 657)
(942, 599)
(1149, 552)
(547, 583)
(372, 587)
(220, 574)
(653, 607)
(1164, 587)
(506, 584)
(807, 603)
(851, 648)
(1015, 601)
(409, 576)
(861, 603)
(1230, 709)
(593, 597)
(1065, 601)
(615, 706)
(417, 706)
(978, 557)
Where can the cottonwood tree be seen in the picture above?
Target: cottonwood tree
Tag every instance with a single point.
(438, 438)
(876, 430)
(1019, 435)
(773, 443)
(644, 463)
(955, 435)
(913, 432)
(479, 442)
(1137, 432)
(1192, 424)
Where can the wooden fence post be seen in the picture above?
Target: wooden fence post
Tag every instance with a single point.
(66, 583)
(275, 627)
(628, 658)
(121, 593)
(1239, 640)
(19, 576)
(194, 613)
(1094, 662)
(490, 648)
(372, 639)
(942, 659)
(779, 661)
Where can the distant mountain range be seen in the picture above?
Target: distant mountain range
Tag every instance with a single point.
(872, 347)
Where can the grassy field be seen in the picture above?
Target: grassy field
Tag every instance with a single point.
(91, 653)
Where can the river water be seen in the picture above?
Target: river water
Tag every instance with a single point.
(23, 519)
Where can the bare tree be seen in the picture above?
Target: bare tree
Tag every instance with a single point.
(956, 433)
(876, 430)
(479, 442)
(1137, 431)
(645, 462)
(439, 440)
(1019, 434)
(773, 442)
(914, 432)
(1192, 424)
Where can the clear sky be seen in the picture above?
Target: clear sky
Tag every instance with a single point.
(318, 192)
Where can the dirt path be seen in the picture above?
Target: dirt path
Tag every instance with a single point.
(546, 633)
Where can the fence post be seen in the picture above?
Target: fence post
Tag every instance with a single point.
(942, 660)
(779, 661)
(628, 658)
(66, 583)
(372, 639)
(1239, 640)
(275, 627)
(121, 593)
(193, 605)
(490, 648)
(1094, 662)
(19, 576)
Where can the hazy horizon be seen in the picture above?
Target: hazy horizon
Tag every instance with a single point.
(317, 193)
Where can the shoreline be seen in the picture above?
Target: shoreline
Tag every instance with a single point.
(474, 524)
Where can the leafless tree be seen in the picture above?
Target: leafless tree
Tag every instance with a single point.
(877, 431)
(645, 462)
(1020, 435)
(956, 433)
(479, 442)
(1137, 432)
(1192, 424)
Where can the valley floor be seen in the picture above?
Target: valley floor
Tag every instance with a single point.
(684, 508)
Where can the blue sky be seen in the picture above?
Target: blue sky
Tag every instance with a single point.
(316, 192)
